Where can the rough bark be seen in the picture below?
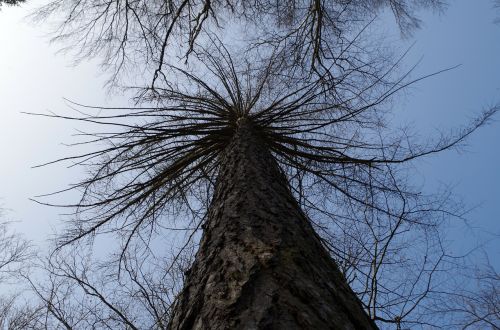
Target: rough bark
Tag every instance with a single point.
(260, 265)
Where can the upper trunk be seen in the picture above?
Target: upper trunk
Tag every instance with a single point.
(260, 264)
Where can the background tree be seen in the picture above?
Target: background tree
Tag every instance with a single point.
(15, 255)
(474, 308)
(148, 34)
(322, 116)
(11, 2)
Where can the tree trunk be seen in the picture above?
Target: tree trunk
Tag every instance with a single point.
(260, 264)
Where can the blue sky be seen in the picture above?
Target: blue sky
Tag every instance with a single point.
(34, 78)
(464, 35)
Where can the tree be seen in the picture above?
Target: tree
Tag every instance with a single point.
(15, 254)
(475, 308)
(308, 127)
(260, 264)
(11, 2)
(148, 34)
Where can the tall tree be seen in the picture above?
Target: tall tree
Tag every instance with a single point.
(260, 265)
(236, 148)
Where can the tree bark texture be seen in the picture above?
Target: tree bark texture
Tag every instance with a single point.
(260, 264)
